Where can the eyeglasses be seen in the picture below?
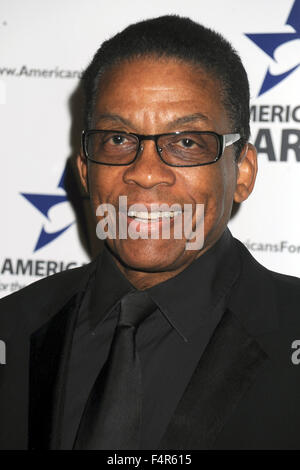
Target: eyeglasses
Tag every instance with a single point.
(180, 149)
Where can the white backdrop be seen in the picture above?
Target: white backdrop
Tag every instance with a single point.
(44, 45)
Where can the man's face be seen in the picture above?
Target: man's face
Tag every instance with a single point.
(153, 96)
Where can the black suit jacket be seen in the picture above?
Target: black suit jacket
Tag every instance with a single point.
(244, 393)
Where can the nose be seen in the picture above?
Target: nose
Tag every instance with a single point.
(148, 170)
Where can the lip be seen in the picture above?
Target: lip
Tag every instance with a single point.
(150, 206)
(149, 226)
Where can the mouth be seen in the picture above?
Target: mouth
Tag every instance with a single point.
(149, 217)
(154, 222)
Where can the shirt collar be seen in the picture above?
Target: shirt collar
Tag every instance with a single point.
(190, 299)
(187, 300)
(109, 286)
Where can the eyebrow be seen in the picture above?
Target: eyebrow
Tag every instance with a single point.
(113, 117)
(182, 120)
(187, 119)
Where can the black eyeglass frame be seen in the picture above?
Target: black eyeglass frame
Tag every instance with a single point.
(224, 141)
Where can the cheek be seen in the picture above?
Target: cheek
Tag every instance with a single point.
(220, 199)
(103, 180)
(212, 186)
(206, 185)
(214, 203)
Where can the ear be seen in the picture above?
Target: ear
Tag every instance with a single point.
(246, 174)
(82, 170)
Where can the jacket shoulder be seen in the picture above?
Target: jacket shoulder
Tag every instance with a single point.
(286, 281)
(282, 281)
(43, 295)
(48, 285)
(267, 286)
(288, 292)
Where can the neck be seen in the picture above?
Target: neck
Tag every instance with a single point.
(142, 280)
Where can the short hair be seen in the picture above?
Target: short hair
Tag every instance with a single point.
(172, 36)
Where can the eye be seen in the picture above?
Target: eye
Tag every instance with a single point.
(117, 139)
(187, 143)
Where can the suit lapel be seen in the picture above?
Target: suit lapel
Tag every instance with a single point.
(227, 369)
(49, 351)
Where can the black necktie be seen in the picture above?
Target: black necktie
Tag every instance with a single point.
(112, 416)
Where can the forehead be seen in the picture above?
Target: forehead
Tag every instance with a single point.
(161, 90)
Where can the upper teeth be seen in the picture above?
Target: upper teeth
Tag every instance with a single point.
(153, 215)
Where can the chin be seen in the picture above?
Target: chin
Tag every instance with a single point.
(148, 255)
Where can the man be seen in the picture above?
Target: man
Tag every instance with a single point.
(211, 363)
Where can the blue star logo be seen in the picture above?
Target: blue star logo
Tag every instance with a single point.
(43, 203)
(269, 42)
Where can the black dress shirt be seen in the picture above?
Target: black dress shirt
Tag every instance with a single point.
(170, 341)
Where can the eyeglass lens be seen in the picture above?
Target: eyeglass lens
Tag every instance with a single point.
(183, 149)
